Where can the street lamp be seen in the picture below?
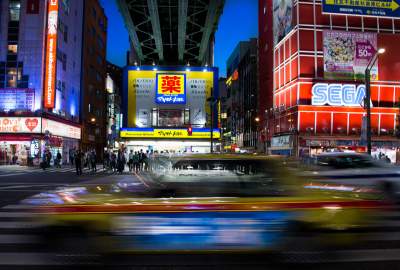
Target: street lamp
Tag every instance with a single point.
(212, 101)
(367, 100)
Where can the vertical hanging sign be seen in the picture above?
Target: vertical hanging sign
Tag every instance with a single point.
(51, 51)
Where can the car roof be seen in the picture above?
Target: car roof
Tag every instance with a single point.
(336, 154)
(226, 157)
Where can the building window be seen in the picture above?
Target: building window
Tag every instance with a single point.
(65, 6)
(98, 76)
(12, 77)
(100, 43)
(14, 8)
(99, 60)
(65, 32)
(93, 32)
(94, 12)
(12, 49)
(63, 90)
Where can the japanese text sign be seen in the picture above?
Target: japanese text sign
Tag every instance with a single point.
(384, 8)
(171, 89)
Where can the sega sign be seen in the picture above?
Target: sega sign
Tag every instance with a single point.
(338, 94)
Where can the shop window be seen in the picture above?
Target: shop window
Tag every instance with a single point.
(12, 49)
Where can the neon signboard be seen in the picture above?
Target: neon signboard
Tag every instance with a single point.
(338, 94)
(51, 51)
(171, 89)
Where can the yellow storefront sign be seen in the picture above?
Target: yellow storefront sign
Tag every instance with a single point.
(168, 134)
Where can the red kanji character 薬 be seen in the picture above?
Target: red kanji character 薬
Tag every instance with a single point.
(170, 84)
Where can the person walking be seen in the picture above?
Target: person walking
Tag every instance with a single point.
(58, 159)
(48, 158)
(93, 160)
(106, 160)
(130, 160)
(121, 161)
(135, 161)
(71, 155)
(78, 162)
(113, 162)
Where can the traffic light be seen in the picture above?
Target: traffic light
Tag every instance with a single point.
(190, 130)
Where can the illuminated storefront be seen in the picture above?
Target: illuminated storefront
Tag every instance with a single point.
(23, 139)
(318, 89)
(166, 108)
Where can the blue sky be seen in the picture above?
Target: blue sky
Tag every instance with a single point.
(238, 22)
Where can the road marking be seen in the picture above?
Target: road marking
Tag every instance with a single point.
(4, 214)
(19, 224)
(11, 174)
(141, 180)
(17, 206)
(18, 239)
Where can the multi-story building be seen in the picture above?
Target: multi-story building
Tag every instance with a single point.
(94, 98)
(114, 116)
(40, 83)
(242, 96)
(170, 88)
(313, 57)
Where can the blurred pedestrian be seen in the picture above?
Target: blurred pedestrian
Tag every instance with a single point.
(130, 160)
(120, 161)
(71, 155)
(93, 160)
(106, 160)
(78, 162)
(113, 162)
(58, 159)
(48, 158)
(136, 163)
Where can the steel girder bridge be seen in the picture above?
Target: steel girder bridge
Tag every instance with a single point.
(172, 31)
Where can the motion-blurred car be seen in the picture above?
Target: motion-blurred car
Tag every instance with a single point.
(202, 203)
(356, 169)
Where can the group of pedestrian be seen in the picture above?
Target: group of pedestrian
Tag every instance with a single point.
(117, 161)
(138, 161)
(83, 159)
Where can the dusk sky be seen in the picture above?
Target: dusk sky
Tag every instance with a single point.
(237, 23)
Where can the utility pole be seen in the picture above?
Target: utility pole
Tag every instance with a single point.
(367, 100)
(367, 105)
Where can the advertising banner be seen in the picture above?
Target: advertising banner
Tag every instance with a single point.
(171, 88)
(168, 89)
(282, 16)
(20, 125)
(381, 8)
(16, 99)
(60, 129)
(162, 133)
(347, 54)
(51, 55)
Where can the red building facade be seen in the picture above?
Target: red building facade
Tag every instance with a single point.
(294, 124)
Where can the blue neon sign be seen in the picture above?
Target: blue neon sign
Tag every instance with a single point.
(338, 94)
